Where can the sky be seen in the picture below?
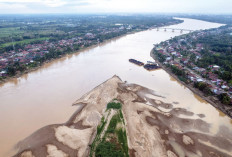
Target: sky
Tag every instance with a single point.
(115, 6)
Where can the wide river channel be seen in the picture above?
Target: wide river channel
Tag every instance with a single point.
(45, 96)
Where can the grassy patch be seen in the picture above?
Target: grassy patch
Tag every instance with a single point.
(113, 123)
(114, 141)
(6, 32)
(122, 139)
(121, 116)
(117, 135)
(108, 149)
(101, 126)
(114, 105)
(26, 41)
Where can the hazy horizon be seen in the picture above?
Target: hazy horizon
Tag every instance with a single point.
(114, 6)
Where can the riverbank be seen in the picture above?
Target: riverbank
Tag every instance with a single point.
(44, 96)
(19, 74)
(150, 131)
(9, 78)
(226, 109)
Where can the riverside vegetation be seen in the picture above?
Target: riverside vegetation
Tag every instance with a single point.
(202, 59)
(111, 140)
(27, 42)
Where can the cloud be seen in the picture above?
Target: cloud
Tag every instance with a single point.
(11, 5)
(54, 3)
(12, 8)
(50, 3)
(92, 6)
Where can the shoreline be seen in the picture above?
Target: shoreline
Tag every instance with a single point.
(227, 110)
(144, 124)
(10, 78)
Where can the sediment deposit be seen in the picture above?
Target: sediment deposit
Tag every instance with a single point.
(154, 128)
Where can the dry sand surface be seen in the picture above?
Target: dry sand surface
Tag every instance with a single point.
(151, 132)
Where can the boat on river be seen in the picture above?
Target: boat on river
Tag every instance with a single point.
(151, 66)
(136, 62)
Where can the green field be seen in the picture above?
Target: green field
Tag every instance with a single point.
(26, 41)
(6, 32)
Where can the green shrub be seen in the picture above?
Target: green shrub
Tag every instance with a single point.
(114, 105)
(121, 116)
(113, 123)
(182, 79)
(108, 149)
(101, 126)
(122, 139)
(225, 99)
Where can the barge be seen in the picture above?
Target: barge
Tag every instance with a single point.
(136, 62)
(151, 66)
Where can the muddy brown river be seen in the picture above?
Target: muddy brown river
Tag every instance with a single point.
(45, 96)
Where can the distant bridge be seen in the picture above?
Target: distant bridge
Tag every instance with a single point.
(174, 29)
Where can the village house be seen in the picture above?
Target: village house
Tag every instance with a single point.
(89, 35)
(200, 70)
(184, 60)
(215, 90)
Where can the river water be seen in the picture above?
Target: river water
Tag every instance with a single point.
(45, 96)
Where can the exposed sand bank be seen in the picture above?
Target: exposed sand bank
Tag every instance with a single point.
(151, 131)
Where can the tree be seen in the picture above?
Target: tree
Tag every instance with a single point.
(224, 98)
(11, 70)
